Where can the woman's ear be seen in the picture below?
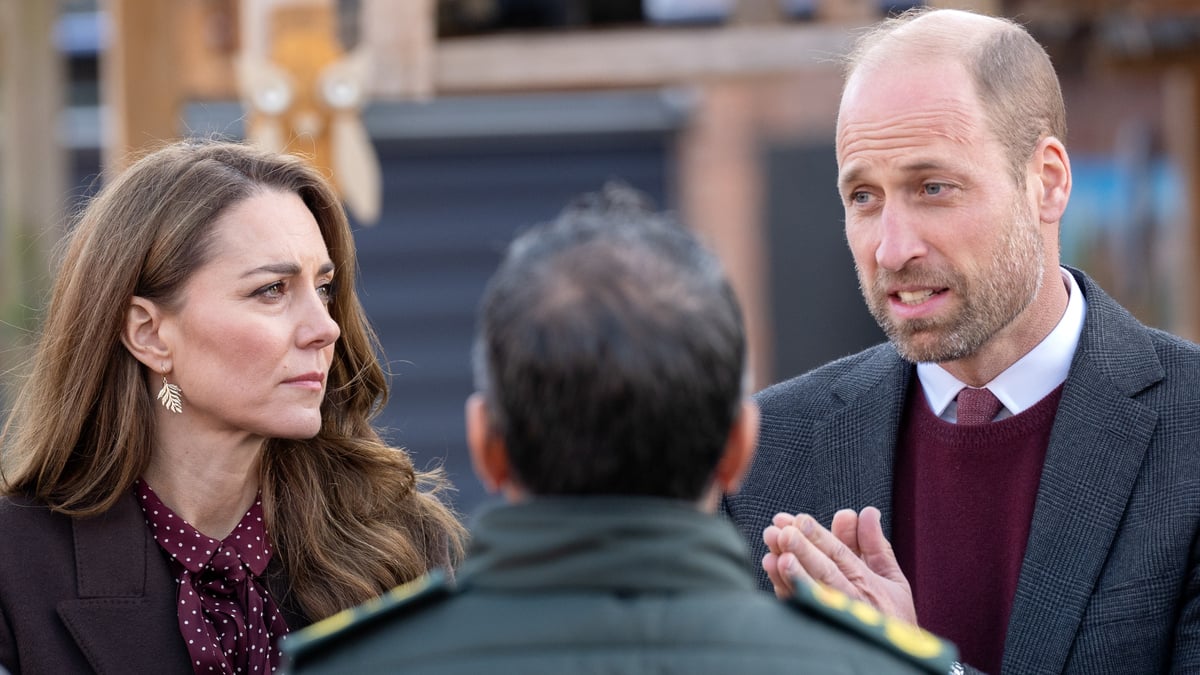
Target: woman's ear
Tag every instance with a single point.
(141, 334)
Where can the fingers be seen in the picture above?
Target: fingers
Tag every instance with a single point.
(770, 562)
(771, 533)
(845, 528)
(853, 556)
(819, 555)
(771, 538)
(875, 549)
(783, 520)
(781, 582)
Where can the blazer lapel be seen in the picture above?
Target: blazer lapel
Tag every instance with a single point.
(124, 619)
(855, 447)
(1099, 439)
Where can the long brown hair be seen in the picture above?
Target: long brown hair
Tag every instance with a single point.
(350, 516)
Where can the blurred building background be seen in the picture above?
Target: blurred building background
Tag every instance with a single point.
(483, 116)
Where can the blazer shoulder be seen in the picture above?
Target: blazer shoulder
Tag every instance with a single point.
(1134, 357)
(868, 364)
(21, 515)
(394, 605)
(911, 644)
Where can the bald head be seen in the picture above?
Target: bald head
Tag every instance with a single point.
(1013, 78)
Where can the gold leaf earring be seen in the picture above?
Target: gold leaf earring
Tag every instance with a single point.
(170, 397)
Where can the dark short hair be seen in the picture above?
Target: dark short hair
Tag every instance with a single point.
(611, 351)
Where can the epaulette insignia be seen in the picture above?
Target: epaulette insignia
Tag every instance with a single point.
(405, 597)
(915, 644)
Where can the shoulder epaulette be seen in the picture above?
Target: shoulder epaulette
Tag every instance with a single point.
(418, 593)
(900, 637)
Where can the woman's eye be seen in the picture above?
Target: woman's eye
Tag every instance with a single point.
(273, 291)
(325, 291)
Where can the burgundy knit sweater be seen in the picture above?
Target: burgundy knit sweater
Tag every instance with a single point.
(963, 502)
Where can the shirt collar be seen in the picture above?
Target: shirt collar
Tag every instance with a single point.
(1031, 378)
(248, 543)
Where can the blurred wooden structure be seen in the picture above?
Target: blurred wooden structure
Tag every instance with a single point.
(1159, 40)
(32, 171)
(186, 49)
(756, 75)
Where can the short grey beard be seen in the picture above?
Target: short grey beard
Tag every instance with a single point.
(980, 318)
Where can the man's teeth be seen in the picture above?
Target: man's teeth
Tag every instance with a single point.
(914, 297)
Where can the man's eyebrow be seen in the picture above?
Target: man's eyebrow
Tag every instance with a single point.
(287, 269)
(926, 165)
(854, 173)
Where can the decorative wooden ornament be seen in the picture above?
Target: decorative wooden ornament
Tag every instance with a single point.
(304, 94)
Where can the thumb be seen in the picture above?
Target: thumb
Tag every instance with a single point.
(874, 548)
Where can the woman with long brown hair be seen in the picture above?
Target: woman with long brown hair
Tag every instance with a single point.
(190, 470)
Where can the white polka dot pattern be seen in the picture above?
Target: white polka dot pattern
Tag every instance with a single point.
(227, 618)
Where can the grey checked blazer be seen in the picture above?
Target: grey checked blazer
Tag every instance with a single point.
(1110, 582)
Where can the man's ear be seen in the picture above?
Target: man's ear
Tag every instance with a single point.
(489, 456)
(142, 336)
(739, 448)
(1051, 168)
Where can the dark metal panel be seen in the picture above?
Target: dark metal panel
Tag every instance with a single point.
(450, 208)
(817, 310)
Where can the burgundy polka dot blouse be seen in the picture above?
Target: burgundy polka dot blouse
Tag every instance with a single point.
(228, 620)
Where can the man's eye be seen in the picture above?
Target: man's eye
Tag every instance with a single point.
(860, 197)
(932, 189)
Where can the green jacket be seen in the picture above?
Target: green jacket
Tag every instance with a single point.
(613, 585)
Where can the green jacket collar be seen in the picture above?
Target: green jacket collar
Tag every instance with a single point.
(620, 544)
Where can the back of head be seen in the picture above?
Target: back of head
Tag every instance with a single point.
(1013, 76)
(611, 353)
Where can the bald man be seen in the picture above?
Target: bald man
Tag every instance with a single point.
(1018, 467)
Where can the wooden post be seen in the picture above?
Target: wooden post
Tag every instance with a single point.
(721, 185)
(139, 79)
(32, 173)
(401, 37)
(1181, 108)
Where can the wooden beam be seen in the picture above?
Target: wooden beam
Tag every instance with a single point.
(862, 11)
(598, 59)
(757, 11)
(989, 7)
(139, 81)
(632, 58)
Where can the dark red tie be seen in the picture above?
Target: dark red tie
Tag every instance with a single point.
(977, 406)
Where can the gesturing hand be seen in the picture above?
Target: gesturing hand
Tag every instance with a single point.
(854, 558)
